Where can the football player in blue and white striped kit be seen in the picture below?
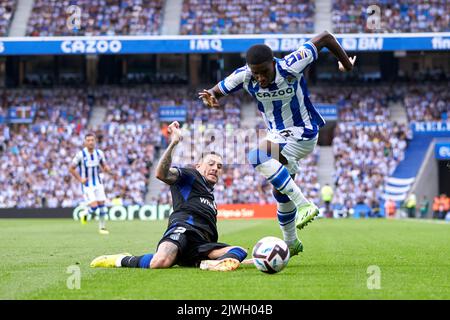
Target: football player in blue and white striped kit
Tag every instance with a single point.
(85, 167)
(293, 123)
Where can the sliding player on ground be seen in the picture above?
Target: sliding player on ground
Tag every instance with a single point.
(293, 123)
(191, 237)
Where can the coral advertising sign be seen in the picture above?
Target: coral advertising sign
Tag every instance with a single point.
(247, 211)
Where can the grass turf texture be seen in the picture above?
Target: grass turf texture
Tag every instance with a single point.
(413, 257)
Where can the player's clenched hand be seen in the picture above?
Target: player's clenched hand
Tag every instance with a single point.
(341, 66)
(174, 132)
(208, 99)
(83, 180)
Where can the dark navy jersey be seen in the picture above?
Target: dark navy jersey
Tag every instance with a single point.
(193, 203)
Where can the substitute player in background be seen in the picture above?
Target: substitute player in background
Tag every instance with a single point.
(191, 236)
(279, 87)
(85, 167)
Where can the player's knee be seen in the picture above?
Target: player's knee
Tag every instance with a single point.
(256, 157)
(160, 262)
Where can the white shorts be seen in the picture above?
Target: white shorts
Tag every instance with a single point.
(94, 194)
(294, 147)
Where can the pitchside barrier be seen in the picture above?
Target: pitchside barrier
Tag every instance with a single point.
(144, 212)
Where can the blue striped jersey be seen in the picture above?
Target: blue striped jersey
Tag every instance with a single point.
(285, 103)
(89, 165)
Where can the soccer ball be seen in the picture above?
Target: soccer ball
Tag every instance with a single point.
(270, 255)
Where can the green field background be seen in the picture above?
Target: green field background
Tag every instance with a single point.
(413, 258)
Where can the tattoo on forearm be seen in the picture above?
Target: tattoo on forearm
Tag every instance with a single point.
(164, 165)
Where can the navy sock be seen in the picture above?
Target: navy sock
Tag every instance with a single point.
(137, 262)
(235, 253)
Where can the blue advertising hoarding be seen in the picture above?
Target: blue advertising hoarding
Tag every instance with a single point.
(22, 114)
(328, 111)
(432, 128)
(442, 150)
(214, 44)
(172, 113)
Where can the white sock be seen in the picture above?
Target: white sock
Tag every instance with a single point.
(279, 177)
(101, 221)
(119, 260)
(286, 214)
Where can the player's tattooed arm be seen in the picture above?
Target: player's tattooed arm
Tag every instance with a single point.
(327, 40)
(164, 170)
(211, 97)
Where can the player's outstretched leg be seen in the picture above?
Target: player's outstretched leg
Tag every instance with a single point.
(224, 259)
(102, 215)
(286, 214)
(109, 261)
(278, 175)
(164, 258)
(122, 260)
(90, 212)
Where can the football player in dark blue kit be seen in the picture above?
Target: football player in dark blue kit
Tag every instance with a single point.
(191, 237)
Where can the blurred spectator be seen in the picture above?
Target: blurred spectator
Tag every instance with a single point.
(424, 206)
(443, 206)
(244, 17)
(390, 207)
(408, 16)
(7, 8)
(327, 197)
(410, 204)
(98, 17)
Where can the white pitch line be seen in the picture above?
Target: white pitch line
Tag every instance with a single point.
(426, 221)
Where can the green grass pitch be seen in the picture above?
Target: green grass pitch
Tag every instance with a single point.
(413, 257)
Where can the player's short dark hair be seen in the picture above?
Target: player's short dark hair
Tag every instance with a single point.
(259, 53)
(89, 134)
(203, 155)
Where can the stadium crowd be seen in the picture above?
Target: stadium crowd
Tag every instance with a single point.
(35, 159)
(427, 102)
(7, 8)
(356, 103)
(131, 136)
(407, 16)
(59, 106)
(364, 157)
(244, 17)
(97, 17)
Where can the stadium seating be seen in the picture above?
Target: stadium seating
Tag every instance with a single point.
(244, 17)
(365, 155)
(408, 16)
(107, 17)
(427, 102)
(35, 158)
(356, 103)
(54, 106)
(7, 8)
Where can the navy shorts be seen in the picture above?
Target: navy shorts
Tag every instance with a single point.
(193, 245)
